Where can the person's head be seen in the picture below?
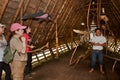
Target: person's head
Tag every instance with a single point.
(17, 29)
(98, 32)
(27, 30)
(2, 28)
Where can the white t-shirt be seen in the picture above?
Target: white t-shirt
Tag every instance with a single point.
(3, 44)
(98, 39)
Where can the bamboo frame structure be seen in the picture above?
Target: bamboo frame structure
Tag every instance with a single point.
(66, 15)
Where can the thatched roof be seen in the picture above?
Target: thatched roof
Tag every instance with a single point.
(66, 15)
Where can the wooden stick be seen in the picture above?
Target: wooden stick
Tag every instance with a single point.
(110, 57)
(53, 56)
(67, 10)
(57, 56)
(18, 10)
(36, 50)
(88, 14)
(26, 5)
(58, 14)
(71, 59)
(114, 66)
(44, 55)
(3, 8)
(21, 13)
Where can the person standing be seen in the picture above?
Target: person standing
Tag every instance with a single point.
(29, 47)
(17, 43)
(98, 42)
(3, 44)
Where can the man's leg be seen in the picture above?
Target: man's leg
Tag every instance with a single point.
(94, 55)
(100, 58)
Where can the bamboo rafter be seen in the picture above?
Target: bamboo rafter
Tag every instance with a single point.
(18, 11)
(3, 8)
(35, 10)
(63, 16)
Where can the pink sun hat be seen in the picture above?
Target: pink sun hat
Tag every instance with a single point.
(16, 26)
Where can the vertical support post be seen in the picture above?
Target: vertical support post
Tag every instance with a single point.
(57, 56)
(88, 14)
(71, 36)
(44, 55)
(51, 53)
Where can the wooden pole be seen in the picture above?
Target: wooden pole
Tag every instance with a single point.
(88, 14)
(15, 16)
(59, 13)
(26, 5)
(44, 55)
(21, 13)
(65, 15)
(51, 53)
(3, 8)
(18, 10)
(98, 12)
(57, 56)
(71, 59)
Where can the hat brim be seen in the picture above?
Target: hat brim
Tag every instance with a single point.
(22, 27)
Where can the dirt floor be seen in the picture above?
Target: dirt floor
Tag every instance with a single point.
(61, 70)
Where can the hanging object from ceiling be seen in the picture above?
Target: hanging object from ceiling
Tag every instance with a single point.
(80, 32)
(40, 16)
(103, 16)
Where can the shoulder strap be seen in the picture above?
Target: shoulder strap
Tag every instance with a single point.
(15, 52)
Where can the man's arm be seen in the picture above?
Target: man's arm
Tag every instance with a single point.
(98, 44)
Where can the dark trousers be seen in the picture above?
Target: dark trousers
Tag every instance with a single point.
(6, 68)
(29, 64)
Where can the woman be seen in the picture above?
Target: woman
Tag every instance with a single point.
(29, 47)
(17, 43)
(3, 66)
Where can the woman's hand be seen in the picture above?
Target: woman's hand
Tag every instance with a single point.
(23, 39)
(24, 44)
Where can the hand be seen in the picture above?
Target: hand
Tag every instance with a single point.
(47, 45)
(32, 46)
(97, 44)
(23, 39)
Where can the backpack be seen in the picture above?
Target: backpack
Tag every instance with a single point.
(8, 55)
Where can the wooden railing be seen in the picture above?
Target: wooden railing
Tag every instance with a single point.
(44, 54)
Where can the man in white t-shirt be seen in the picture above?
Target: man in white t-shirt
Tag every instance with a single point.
(98, 41)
